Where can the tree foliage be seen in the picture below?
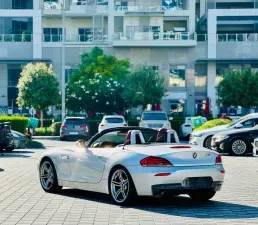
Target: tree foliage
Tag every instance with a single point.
(98, 83)
(239, 88)
(38, 87)
(143, 87)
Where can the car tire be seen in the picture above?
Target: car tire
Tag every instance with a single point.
(202, 196)
(9, 149)
(207, 142)
(48, 177)
(62, 139)
(121, 186)
(238, 147)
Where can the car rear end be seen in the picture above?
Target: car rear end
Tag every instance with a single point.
(112, 122)
(74, 128)
(181, 171)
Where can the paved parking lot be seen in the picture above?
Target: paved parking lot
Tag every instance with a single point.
(22, 200)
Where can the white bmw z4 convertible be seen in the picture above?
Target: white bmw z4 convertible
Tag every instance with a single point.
(129, 161)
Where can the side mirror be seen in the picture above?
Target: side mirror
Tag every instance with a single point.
(81, 144)
(138, 118)
(170, 118)
(238, 126)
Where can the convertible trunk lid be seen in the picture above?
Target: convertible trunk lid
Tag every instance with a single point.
(180, 155)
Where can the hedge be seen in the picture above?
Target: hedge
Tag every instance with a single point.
(43, 131)
(213, 123)
(18, 123)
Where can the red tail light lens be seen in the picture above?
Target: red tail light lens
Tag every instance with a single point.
(102, 125)
(125, 125)
(218, 159)
(153, 161)
(64, 127)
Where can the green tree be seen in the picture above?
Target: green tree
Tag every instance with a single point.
(38, 87)
(239, 88)
(98, 83)
(143, 87)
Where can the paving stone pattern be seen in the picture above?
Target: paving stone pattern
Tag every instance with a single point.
(22, 201)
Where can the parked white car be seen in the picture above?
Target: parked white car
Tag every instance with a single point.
(186, 128)
(155, 120)
(112, 121)
(124, 163)
(203, 138)
(256, 146)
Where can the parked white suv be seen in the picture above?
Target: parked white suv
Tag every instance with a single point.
(155, 120)
(203, 138)
(186, 128)
(111, 122)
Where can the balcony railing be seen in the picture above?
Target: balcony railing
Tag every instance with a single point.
(75, 38)
(48, 5)
(237, 37)
(16, 37)
(147, 8)
(138, 36)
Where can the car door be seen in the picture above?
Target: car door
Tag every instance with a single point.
(87, 165)
(64, 156)
(249, 123)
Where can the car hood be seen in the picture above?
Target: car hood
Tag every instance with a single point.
(240, 131)
(216, 129)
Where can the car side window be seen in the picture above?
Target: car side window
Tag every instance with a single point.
(249, 123)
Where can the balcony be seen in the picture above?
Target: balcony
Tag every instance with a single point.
(77, 39)
(89, 6)
(141, 39)
(16, 37)
(247, 37)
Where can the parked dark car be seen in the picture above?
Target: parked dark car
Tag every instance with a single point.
(74, 128)
(6, 138)
(235, 142)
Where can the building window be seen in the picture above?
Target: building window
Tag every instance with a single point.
(200, 75)
(52, 34)
(22, 4)
(13, 77)
(52, 4)
(68, 74)
(177, 75)
(85, 34)
(19, 25)
(155, 68)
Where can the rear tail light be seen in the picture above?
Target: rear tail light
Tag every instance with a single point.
(153, 161)
(64, 127)
(218, 159)
(125, 125)
(102, 125)
(84, 127)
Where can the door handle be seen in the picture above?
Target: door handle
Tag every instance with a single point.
(65, 157)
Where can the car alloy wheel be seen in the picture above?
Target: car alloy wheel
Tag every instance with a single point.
(120, 186)
(47, 175)
(239, 147)
(207, 143)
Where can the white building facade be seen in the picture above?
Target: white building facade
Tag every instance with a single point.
(190, 42)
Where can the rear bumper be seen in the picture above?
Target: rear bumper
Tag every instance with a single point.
(146, 183)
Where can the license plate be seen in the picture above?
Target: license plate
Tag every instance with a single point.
(198, 182)
(73, 133)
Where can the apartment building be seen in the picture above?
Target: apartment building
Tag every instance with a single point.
(190, 42)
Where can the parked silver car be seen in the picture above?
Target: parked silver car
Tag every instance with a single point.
(19, 140)
(74, 128)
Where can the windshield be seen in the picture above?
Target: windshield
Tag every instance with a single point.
(75, 121)
(113, 120)
(154, 116)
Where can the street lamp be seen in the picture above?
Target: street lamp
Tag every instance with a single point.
(63, 60)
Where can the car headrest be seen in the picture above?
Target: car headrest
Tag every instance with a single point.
(164, 135)
(134, 137)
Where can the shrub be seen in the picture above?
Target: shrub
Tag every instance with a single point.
(18, 123)
(57, 126)
(43, 131)
(213, 123)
